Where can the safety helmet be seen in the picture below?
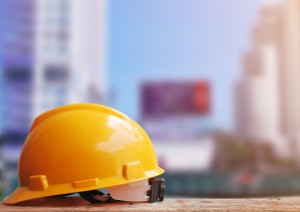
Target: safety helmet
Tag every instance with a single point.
(80, 148)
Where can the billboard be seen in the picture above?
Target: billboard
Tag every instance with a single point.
(171, 99)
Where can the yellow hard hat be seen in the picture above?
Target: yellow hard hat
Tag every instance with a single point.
(84, 147)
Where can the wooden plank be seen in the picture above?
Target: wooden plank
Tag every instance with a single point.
(77, 204)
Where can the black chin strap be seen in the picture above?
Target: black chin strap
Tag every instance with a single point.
(156, 193)
(90, 197)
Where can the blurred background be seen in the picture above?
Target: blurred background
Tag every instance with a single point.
(215, 83)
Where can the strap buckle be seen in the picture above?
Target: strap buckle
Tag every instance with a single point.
(157, 191)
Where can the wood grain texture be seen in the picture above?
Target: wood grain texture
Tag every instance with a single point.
(77, 204)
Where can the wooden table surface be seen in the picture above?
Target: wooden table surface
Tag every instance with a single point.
(77, 204)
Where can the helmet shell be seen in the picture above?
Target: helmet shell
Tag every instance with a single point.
(81, 147)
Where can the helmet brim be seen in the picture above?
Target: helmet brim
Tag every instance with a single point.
(24, 193)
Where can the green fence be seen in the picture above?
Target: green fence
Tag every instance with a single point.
(224, 185)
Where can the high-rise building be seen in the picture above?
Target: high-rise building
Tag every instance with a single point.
(18, 25)
(290, 69)
(70, 52)
(18, 63)
(267, 97)
(257, 93)
(53, 54)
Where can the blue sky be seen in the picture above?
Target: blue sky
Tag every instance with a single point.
(178, 39)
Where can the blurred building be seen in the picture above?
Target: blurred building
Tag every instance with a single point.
(289, 47)
(18, 24)
(18, 64)
(267, 101)
(54, 54)
(70, 52)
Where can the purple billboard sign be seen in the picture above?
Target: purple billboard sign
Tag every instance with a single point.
(170, 99)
